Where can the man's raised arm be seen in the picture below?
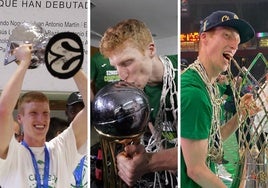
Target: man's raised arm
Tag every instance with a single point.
(80, 121)
(9, 97)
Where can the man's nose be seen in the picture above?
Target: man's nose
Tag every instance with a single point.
(122, 74)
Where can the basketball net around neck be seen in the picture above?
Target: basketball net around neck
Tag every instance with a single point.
(215, 143)
(169, 93)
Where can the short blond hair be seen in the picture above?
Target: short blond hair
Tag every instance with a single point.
(131, 30)
(32, 96)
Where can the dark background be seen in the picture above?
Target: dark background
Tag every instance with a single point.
(253, 11)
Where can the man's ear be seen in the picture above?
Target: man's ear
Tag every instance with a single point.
(152, 49)
(19, 119)
(203, 36)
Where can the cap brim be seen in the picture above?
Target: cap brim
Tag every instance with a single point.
(74, 102)
(245, 30)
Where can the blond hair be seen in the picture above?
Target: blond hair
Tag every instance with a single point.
(32, 96)
(130, 30)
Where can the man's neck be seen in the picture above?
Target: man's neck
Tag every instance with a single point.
(157, 72)
(212, 76)
(32, 142)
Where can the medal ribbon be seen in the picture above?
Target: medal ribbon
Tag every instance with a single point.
(78, 172)
(46, 170)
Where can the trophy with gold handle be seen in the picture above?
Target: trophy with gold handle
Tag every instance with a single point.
(120, 113)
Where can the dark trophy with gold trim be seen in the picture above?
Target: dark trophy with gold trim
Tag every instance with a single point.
(120, 113)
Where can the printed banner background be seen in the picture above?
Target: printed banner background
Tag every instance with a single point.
(53, 16)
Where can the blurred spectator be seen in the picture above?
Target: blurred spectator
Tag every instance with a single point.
(101, 73)
(57, 125)
(184, 64)
(74, 105)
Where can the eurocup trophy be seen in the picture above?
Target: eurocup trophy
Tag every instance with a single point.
(62, 53)
(120, 113)
(27, 34)
(252, 168)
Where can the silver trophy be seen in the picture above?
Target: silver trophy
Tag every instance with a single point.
(62, 53)
(27, 33)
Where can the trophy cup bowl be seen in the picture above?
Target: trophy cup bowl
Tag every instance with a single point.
(120, 110)
(27, 33)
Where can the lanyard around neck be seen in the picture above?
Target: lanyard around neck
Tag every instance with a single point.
(46, 170)
(78, 172)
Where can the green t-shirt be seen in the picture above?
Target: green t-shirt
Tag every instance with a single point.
(196, 115)
(101, 72)
(154, 93)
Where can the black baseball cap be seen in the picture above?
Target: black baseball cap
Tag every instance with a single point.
(74, 97)
(230, 19)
